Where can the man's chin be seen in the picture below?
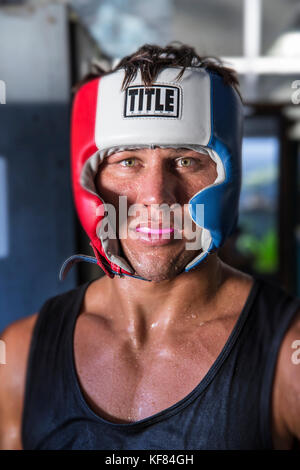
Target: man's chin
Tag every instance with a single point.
(157, 270)
(159, 264)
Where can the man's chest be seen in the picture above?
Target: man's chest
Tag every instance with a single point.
(123, 383)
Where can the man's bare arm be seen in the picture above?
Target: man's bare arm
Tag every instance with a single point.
(16, 339)
(286, 391)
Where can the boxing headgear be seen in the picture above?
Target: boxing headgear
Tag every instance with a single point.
(198, 112)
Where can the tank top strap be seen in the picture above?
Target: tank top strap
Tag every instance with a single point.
(48, 375)
(279, 309)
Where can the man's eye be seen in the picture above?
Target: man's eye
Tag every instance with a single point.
(128, 162)
(185, 162)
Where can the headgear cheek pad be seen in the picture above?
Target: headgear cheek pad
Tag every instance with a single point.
(198, 112)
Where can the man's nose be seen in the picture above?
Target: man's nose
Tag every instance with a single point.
(157, 186)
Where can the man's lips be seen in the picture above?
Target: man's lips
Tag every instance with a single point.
(159, 231)
(155, 233)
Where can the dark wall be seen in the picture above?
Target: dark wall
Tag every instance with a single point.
(34, 143)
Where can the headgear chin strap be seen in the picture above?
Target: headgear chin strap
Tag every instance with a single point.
(199, 112)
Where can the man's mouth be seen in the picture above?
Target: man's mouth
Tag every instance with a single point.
(156, 231)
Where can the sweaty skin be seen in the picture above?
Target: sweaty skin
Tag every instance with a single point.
(151, 343)
(147, 178)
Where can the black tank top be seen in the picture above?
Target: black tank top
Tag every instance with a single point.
(229, 409)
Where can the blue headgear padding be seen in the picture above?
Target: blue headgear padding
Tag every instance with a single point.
(221, 201)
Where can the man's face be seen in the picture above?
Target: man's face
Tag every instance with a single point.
(150, 178)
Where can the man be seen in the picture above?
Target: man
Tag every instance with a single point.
(172, 349)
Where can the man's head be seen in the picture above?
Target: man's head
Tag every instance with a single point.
(162, 128)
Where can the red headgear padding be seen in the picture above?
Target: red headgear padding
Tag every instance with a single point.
(89, 207)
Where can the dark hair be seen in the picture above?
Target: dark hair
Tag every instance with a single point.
(151, 59)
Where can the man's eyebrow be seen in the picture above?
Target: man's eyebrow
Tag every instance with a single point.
(173, 151)
(180, 150)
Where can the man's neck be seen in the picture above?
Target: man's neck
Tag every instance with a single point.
(152, 306)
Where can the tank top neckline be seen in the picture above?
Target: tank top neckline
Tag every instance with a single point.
(185, 401)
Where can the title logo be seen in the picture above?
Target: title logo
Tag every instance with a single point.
(155, 101)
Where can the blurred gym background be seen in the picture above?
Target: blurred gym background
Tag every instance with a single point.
(47, 46)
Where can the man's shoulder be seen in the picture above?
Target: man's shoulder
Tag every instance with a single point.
(282, 310)
(279, 314)
(287, 378)
(290, 347)
(16, 339)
